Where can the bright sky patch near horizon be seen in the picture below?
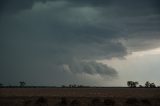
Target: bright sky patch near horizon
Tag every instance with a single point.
(145, 67)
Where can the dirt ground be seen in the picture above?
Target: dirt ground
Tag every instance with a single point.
(79, 96)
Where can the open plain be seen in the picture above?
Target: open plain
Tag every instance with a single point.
(79, 96)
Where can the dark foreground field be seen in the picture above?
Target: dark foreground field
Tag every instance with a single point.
(79, 96)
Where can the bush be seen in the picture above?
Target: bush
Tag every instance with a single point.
(109, 102)
(96, 102)
(75, 103)
(41, 101)
(146, 102)
(27, 102)
(132, 101)
(63, 102)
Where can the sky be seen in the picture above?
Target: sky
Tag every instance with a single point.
(87, 42)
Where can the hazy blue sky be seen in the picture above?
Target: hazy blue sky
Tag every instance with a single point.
(89, 42)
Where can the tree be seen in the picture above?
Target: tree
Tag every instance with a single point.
(132, 84)
(22, 84)
(135, 84)
(1, 85)
(140, 86)
(129, 83)
(147, 84)
(152, 85)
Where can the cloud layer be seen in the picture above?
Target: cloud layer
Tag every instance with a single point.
(46, 37)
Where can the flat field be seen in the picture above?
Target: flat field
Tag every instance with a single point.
(79, 96)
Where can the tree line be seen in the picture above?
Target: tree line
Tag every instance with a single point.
(23, 84)
(131, 84)
(134, 84)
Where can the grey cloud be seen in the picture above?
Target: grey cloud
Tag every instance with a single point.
(125, 3)
(90, 67)
(44, 41)
(122, 7)
(15, 6)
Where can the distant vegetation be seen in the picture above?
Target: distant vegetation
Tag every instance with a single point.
(131, 84)
(74, 86)
(134, 84)
(132, 101)
(1, 85)
(41, 101)
(22, 84)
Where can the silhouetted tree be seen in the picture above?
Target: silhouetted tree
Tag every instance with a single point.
(72, 86)
(22, 84)
(1, 85)
(132, 84)
(147, 84)
(129, 83)
(135, 84)
(152, 85)
(63, 86)
(140, 86)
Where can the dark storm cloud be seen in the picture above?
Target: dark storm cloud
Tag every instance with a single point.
(90, 68)
(90, 2)
(15, 6)
(62, 39)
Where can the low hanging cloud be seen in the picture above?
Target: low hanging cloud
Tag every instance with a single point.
(90, 68)
(61, 40)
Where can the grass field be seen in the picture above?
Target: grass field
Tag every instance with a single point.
(79, 96)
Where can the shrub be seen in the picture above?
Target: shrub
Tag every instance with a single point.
(109, 102)
(96, 102)
(75, 103)
(132, 101)
(63, 102)
(146, 102)
(41, 101)
(27, 102)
